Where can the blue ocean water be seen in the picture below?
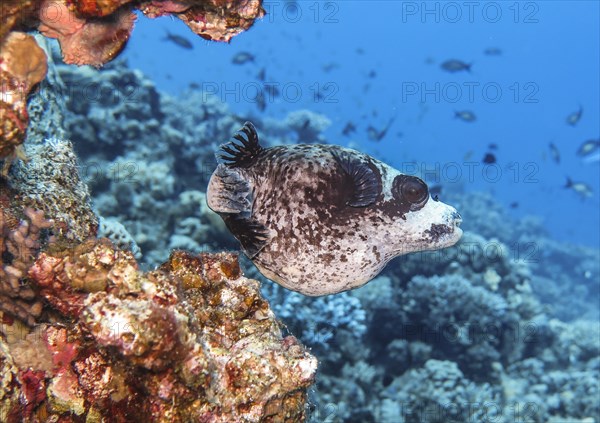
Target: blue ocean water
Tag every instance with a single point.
(373, 62)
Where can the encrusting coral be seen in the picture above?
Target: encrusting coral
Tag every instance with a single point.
(190, 341)
(22, 66)
(84, 42)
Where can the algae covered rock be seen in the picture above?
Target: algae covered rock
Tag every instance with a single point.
(191, 341)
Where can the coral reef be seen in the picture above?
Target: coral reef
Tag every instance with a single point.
(483, 331)
(86, 335)
(93, 32)
(113, 230)
(219, 20)
(191, 341)
(49, 181)
(85, 41)
(90, 32)
(42, 201)
(389, 349)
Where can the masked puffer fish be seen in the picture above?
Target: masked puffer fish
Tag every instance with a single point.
(322, 219)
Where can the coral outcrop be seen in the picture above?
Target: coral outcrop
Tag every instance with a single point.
(85, 41)
(86, 335)
(90, 32)
(22, 66)
(191, 341)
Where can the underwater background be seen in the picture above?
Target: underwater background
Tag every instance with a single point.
(489, 102)
(532, 65)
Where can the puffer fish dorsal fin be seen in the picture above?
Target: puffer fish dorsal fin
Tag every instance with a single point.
(366, 183)
(241, 155)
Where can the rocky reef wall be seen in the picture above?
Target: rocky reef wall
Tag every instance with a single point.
(88, 336)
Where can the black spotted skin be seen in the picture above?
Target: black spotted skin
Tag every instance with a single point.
(318, 244)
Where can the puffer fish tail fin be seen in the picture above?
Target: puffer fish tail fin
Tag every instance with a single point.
(244, 152)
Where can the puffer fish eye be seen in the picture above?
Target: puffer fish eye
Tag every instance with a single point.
(411, 190)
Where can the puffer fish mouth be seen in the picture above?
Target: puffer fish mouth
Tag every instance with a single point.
(456, 219)
(446, 234)
(457, 232)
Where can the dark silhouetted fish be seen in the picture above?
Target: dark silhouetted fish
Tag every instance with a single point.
(435, 191)
(372, 74)
(492, 51)
(574, 117)
(261, 74)
(242, 58)
(271, 89)
(489, 158)
(261, 103)
(465, 116)
(179, 40)
(348, 129)
(580, 188)
(194, 86)
(454, 65)
(514, 205)
(554, 153)
(328, 67)
(493, 146)
(376, 134)
(588, 147)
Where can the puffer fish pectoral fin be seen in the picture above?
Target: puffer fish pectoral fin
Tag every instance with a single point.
(367, 183)
(229, 192)
(243, 152)
(252, 235)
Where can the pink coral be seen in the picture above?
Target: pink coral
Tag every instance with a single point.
(86, 42)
